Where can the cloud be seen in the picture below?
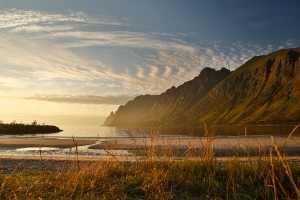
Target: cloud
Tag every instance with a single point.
(288, 43)
(154, 71)
(83, 99)
(18, 18)
(113, 85)
(168, 71)
(140, 72)
(119, 39)
(47, 62)
(44, 41)
(8, 82)
(43, 29)
(58, 26)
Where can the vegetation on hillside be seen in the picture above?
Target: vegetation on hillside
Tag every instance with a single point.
(265, 90)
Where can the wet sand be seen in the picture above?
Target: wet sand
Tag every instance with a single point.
(218, 142)
(18, 142)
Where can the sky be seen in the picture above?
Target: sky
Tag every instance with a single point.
(72, 62)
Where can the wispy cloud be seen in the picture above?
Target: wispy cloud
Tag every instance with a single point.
(140, 72)
(16, 18)
(48, 62)
(120, 39)
(83, 99)
(58, 26)
(168, 71)
(42, 29)
(47, 53)
(154, 71)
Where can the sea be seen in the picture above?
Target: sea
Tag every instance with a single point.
(102, 133)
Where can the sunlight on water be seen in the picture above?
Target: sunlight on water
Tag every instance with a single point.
(38, 149)
(82, 151)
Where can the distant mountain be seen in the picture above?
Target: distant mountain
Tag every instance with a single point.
(131, 111)
(264, 90)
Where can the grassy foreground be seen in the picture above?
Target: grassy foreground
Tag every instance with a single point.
(270, 176)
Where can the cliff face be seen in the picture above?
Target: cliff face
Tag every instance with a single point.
(175, 101)
(265, 90)
(133, 110)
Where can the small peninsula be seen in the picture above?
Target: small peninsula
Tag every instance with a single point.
(33, 128)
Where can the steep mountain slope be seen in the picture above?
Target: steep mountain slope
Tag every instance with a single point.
(265, 90)
(132, 111)
(175, 101)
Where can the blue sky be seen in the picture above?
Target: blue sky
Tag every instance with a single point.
(73, 62)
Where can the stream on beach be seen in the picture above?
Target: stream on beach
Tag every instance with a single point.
(102, 133)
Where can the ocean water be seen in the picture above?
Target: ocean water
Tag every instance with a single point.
(105, 131)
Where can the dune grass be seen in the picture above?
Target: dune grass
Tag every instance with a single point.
(195, 176)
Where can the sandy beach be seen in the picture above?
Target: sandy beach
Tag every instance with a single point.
(36, 142)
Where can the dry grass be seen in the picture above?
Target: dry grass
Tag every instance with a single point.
(198, 175)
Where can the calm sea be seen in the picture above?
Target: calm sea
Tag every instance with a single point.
(105, 131)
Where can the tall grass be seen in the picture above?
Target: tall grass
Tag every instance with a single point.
(155, 174)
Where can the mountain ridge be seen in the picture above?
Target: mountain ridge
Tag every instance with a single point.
(264, 90)
(253, 92)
